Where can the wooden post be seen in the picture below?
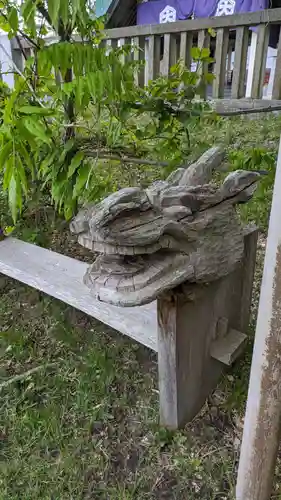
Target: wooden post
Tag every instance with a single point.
(203, 43)
(186, 40)
(262, 421)
(170, 53)
(222, 40)
(260, 61)
(153, 57)
(185, 380)
(197, 334)
(240, 63)
(252, 55)
(139, 55)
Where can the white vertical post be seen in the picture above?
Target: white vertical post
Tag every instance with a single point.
(229, 61)
(262, 421)
(252, 54)
(6, 60)
(146, 56)
(271, 63)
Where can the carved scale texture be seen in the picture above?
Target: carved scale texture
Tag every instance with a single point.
(179, 230)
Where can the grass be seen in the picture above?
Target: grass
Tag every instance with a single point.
(85, 426)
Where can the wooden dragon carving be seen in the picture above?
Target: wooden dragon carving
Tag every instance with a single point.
(180, 230)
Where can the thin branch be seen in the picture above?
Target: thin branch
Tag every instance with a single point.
(95, 153)
(21, 47)
(238, 112)
(24, 35)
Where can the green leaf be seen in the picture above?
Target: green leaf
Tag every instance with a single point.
(57, 189)
(35, 110)
(36, 129)
(212, 32)
(195, 53)
(26, 157)
(24, 134)
(64, 14)
(66, 148)
(13, 197)
(5, 152)
(4, 25)
(13, 19)
(81, 179)
(8, 172)
(75, 10)
(53, 10)
(45, 164)
(68, 212)
(22, 176)
(75, 162)
(205, 52)
(28, 12)
(8, 230)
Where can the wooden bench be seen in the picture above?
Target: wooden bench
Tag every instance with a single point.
(194, 339)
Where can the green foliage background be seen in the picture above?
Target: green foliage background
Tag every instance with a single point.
(76, 103)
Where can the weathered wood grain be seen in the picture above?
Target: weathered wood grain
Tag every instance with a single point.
(201, 171)
(178, 230)
(153, 57)
(249, 263)
(139, 55)
(186, 40)
(222, 40)
(169, 54)
(203, 43)
(260, 61)
(62, 278)
(198, 334)
(240, 62)
(228, 349)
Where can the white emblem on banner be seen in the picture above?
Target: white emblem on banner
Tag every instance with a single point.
(225, 8)
(168, 15)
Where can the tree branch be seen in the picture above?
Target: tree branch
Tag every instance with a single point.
(95, 153)
(239, 112)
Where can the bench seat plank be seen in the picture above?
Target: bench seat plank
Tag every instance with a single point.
(61, 277)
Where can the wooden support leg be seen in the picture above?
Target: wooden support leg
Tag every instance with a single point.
(184, 335)
(189, 327)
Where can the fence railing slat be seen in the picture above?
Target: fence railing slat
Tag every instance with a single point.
(186, 40)
(222, 40)
(122, 42)
(260, 61)
(276, 91)
(169, 54)
(139, 55)
(240, 62)
(203, 43)
(153, 57)
(166, 55)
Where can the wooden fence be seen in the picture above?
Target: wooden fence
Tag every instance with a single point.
(237, 36)
(161, 45)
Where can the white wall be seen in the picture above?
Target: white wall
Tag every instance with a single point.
(6, 59)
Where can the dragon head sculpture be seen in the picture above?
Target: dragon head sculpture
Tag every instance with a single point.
(151, 240)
